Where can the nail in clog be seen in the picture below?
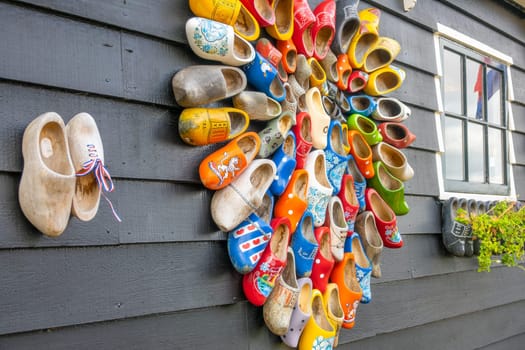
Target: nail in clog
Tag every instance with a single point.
(363, 266)
(384, 81)
(320, 120)
(350, 292)
(272, 136)
(230, 12)
(304, 20)
(346, 25)
(204, 126)
(258, 105)
(382, 54)
(234, 203)
(48, 179)
(262, 75)
(261, 10)
(323, 30)
(366, 127)
(274, 56)
(318, 76)
(391, 189)
(323, 261)
(87, 155)
(390, 109)
(301, 313)
(357, 81)
(303, 137)
(258, 284)
(283, 27)
(336, 159)
(333, 309)
(365, 38)
(394, 160)
(319, 188)
(289, 52)
(329, 64)
(217, 41)
(344, 70)
(396, 134)
(284, 159)
(247, 241)
(359, 182)
(454, 233)
(221, 167)
(335, 220)
(366, 227)
(304, 245)
(361, 152)
(278, 308)
(362, 104)
(386, 221)
(318, 332)
(198, 85)
(348, 198)
(293, 202)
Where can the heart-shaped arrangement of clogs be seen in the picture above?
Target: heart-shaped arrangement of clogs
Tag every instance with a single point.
(310, 200)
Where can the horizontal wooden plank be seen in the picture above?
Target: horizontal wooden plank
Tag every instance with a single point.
(518, 111)
(50, 50)
(418, 89)
(150, 212)
(193, 329)
(518, 139)
(515, 342)
(425, 181)
(140, 141)
(47, 288)
(469, 331)
(422, 123)
(424, 216)
(161, 18)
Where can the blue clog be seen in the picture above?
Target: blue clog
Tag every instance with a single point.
(284, 159)
(363, 265)
(262, 75)
(359, 182)
(362, 104)
(304, 245)
(336, 159)
(247, 241)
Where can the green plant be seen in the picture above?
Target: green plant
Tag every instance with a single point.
(500, 232)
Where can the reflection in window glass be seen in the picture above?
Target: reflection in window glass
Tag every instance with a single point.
(454, 149)
(474, 89)
(476, 159)
(496, 159)
(452, 82)
(494, 82)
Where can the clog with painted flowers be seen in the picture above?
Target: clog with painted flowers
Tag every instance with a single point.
(385, 219)
(230, 12)
(304, 20)
(272, 136)
(218, 169)
(319, 188)
(336, 159)
(203, 126)
(391, 189)
(359, 182)
(335, 221)
(217, 41)
(259, 283)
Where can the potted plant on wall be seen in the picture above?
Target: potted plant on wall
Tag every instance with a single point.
(498, 234)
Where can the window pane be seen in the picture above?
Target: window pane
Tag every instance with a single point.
(476, 157)
(453, 149)
(496, 159)
(474, 89)
(494, 96)
(452, 82)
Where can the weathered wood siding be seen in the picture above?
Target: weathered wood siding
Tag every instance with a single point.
(162, 278)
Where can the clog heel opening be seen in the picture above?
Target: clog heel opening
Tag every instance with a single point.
(283, 12)
(319, 315)
(393, 158)
(317, 71)
(305, 296)
(285, 123)
(376, 59)
(291, 60)
(365, 125)
(389, 182)
(395, 132)
(277, 88)
(350, 277)
(320, 172)
(359, 254)
(360, 147)
(386, 81)
(242, 49)
(248, 146)
(322, 39)
(324, 246)
(307, 39)
(245, 23)
(233, 79)
(348, 31)
(238, 123)
(279, 242)
(350, 195)
(360, 103)
(333, 304)
(289, 146)
(87, 194)
(265, 209)
(380, 208)
(363, 44)
(264, 9)
(374, 240)
(53, 149)
(336, 141)
(356, 84)
(389, 108)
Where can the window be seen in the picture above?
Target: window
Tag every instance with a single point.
(474, 121)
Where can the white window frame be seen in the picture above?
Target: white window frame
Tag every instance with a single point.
(464, 40)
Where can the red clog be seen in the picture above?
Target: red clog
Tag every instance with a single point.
(261, 10)
(385, 218)
(350, 203)
(304, 20)
(323, 31)
(323, 261)
(357, 81)
(258, 284)
(303, 138)
(396, 134)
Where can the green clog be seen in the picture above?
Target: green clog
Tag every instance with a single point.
(390, 188)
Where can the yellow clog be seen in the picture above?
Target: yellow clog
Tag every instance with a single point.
(318, 76)
(333, 309)
(384, 81)
(318, 332)
(381, 55)
(365, 38)
(284, 20)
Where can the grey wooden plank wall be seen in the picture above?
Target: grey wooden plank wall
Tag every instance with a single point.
(149, 281)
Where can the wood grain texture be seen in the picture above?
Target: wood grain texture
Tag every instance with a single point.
(425, 181)
(422, 123)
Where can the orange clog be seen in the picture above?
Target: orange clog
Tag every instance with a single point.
(361, 152)
(218, 169)
(289, 52)
(343, 70)
(293, 202)
(203, 126)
